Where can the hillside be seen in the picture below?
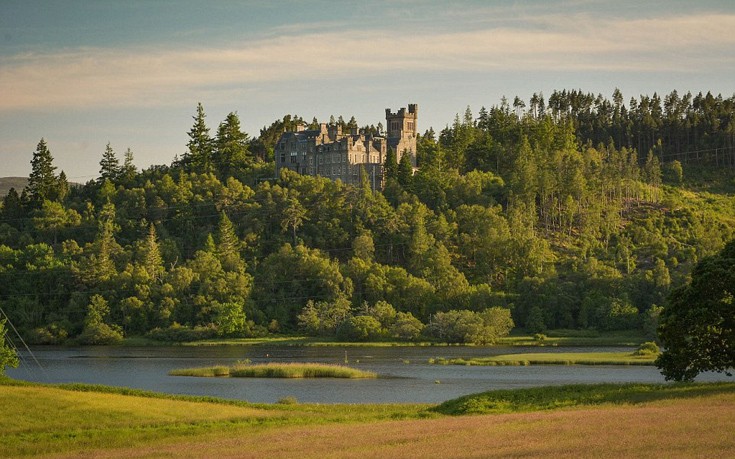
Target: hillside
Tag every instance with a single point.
(6, 183)
(532, 220)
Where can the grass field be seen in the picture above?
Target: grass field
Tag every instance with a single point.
(277, 370)
(556, 358)
(569, 421)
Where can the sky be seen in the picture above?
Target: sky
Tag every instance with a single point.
(82, 73)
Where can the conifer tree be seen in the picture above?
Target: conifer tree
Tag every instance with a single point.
(151, 254)
(42, 182)
(228, 247)
(405, 171)
(232, 147)
(109, 165)
(391, 165)
(199, 156)
(128, 170)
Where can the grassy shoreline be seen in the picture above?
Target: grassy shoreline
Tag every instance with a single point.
(553, 338)
(556, 358)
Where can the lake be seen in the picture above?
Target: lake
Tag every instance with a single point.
(406, 375)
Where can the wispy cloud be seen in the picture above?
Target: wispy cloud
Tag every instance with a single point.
(149, 76)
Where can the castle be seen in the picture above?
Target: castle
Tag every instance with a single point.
(328, 152)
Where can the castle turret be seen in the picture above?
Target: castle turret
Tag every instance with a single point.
(401, 131)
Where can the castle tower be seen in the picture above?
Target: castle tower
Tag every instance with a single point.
(401, 130)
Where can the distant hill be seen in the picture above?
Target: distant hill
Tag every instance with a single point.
(6, 183)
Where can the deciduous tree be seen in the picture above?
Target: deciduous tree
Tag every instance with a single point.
(697, 326)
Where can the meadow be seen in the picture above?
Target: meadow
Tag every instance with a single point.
(95, 421)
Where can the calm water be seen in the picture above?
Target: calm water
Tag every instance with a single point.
(407, 375)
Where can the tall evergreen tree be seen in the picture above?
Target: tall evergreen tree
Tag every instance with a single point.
(231, 147)
(228, 247)
(128, 169)
(405, 171)
(42, 182)
(199, 156)
(390, 169)
(109, 165)
(151, 254)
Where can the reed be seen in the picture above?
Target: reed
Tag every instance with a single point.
(555, 358)
(278, 370)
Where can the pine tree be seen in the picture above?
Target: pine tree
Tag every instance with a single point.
(151, 254)
(228, 247)
(232, 147)
(109, 165)
(42, 183)
(199, 156)
(128, 170)
(405, 171)
(62, 186)
(391, 165)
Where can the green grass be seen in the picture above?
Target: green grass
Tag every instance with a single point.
(278, 370)
(577, 395)
(570, 338)
(556, 358)
(77, 420)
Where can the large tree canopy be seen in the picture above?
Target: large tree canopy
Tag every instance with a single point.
(697, 327)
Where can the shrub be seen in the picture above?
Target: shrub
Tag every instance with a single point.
(178, 333)
(648, 348)
(406, 327)
(465, 326)
(290, 400)
(359, 328)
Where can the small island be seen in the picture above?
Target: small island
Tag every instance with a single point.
(277, 370)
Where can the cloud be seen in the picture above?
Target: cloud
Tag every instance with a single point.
(153, 76)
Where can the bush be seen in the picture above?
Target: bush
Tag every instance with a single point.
(406, 327)
(178, 333)
(54, 333)
(465, 326)
(100, 333)
(648, 348)
(359, 328)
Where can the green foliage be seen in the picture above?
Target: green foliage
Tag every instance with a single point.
(323, 318)
(406, 327)
(556, 211)
(109, 165)
(8, 356)
(43, 184)
(465, 326)
(648, 348)
(359, 328)
(96, 330)
(697, 326)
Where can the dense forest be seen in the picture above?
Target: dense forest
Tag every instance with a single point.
(574, 212)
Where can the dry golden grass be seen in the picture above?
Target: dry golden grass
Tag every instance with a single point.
(695, 427)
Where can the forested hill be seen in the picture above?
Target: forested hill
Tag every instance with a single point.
(578, 212)
(6, 183)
